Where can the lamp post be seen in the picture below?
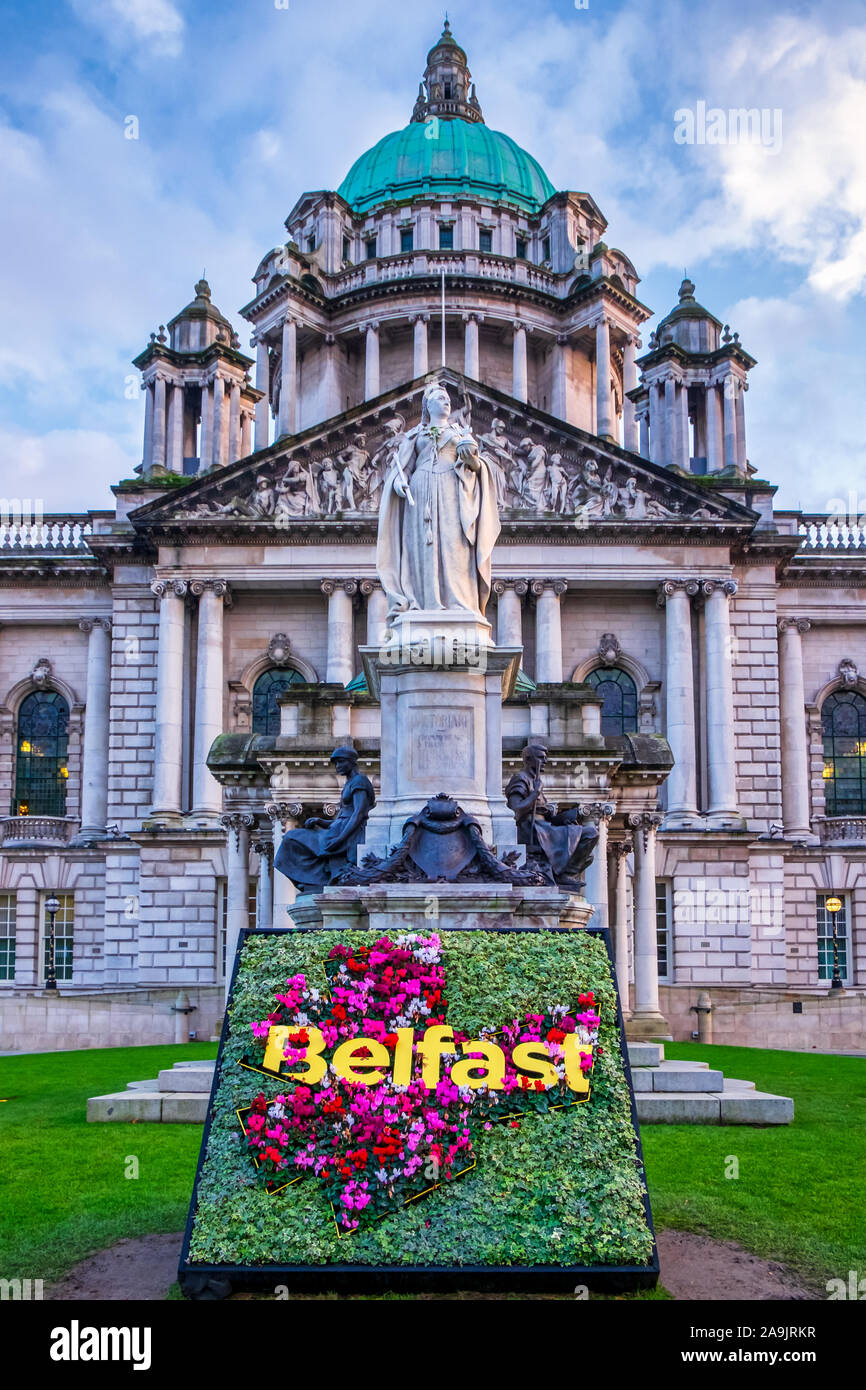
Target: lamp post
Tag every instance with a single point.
(52, 907)
(834, 907)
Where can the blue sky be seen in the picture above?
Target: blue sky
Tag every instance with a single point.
(242, 106)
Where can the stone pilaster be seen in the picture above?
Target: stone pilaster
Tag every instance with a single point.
(94, 775)
(168, 746)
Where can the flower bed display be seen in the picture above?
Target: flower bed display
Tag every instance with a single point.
(446, 1108)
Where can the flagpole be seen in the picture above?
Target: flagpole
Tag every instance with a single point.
(443, 316)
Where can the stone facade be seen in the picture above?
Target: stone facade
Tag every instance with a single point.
(637, 539)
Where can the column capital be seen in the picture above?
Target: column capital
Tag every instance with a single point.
(330, 586)
(558, 586)
(596, 811)
(419, 318)
(668, 587)
(264, 848)
(794, 625)
(369, 586)
(472, 315)
(601, 320)
(519, 325)
(371, 326)
(520, 586)
(619, 849)
(88, 624)
(728, 587)
(647, 822)
(161, 587)
(284, 810)
(235, 822)
(218, 587)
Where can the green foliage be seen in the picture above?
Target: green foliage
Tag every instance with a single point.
(564, 1188)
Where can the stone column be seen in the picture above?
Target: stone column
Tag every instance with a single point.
(235, 422)
(740, 419)
(548, 629)
(729, 388)
(420, 357)
(341, 629)
(168, 748)
(629, 374)
(371, 360)
(284, 815)
(471, 356)
(683, 458)
(147, 451)
(603, 412)
(671, 440)
(520, 380)
(559, 393)
(619, 853)
(331, 386)
(288, 378)
(722, 810)
(377, 611)
(509, 615)
(237, 825)
(644, 446)
(175, 429)
(94, 772)
(220, 439)
(657, 423)
(264, 848)
(211, 594)
(159, 430)
(246, 434)
(263, 383)
(599, 813)
(715, 451)
(682, 803)
(647, 1019)
(205, 448)
(795, 747)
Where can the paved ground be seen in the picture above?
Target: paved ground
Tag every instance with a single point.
(694, 1268)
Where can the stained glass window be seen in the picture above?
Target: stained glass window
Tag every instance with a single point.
(266, 711)
(41, 771)
(619, 692)
(843, 717)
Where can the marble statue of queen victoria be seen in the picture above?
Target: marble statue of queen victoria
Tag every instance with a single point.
(438, 518)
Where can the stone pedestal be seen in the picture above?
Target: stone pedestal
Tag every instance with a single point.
(441, 683)
(391, 908)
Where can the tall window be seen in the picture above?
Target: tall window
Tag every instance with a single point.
(41, 770)
(619, 693)
(843, 717)
(825, 937)
(8, 916)
(266, 711)
(223, 918)
(520, 248)
(446, 238)
(485, 239)
(64, 929)
(370, 248)
(407, 239)
(663, 928)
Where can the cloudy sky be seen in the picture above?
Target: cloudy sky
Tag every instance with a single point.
(243, 104)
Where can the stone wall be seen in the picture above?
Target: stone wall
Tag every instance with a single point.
(35, 1023)
(765, 1018)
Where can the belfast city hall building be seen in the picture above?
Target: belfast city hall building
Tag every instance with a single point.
(177, 671)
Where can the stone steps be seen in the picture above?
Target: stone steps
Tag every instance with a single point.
(672, 1093)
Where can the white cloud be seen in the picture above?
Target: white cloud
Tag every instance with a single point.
(154, 24)
(65, 470)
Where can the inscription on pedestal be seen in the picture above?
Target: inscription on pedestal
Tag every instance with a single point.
(441, 744)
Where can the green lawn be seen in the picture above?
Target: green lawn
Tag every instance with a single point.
(65, 1193)
(799, 1195)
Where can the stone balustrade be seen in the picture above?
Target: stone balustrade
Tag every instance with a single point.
(819, 533)
(842, 830)
(52, 830)
(52, 534)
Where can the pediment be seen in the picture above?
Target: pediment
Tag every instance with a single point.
(548, 474)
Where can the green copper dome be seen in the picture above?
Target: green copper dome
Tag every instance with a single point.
(464, 159)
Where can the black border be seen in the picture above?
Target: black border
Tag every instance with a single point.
(215, 1281)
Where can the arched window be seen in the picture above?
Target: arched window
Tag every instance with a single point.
(41, 770)
(619, 692)
(266, 711)
(843, 718)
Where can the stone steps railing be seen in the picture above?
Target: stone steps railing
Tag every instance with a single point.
(44, 829)
(53, 535)
(819, 534)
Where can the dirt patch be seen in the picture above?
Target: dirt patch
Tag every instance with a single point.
(693, 1268)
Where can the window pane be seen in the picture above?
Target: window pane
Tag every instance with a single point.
(619, 693)
(825, 937)
(485, 240)
(8, 916)
(371, 249)
(843, 720)
(266, 711)
(446, 238)
(41, 771)
(407, 239)
(663, 927)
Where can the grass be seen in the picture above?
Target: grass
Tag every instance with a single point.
(795, 1200)
(798, 1198)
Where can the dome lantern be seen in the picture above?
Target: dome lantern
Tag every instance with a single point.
(447, 91)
